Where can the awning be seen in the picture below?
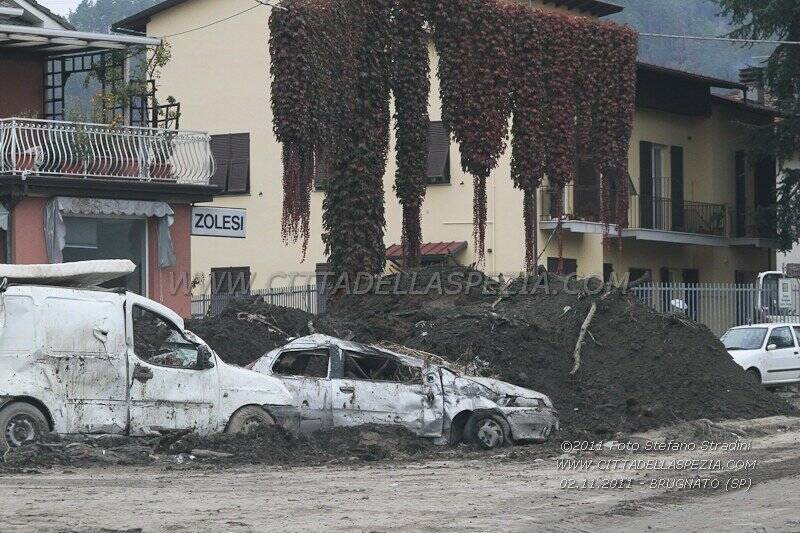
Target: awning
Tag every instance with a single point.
(430, 250)
(60, 41)
(56, 229)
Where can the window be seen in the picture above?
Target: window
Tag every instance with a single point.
(781, 337)
(230, 280)
(744, 339)
(438, 171)
(109, 238)
(638, 273)
(159, 342)
(232, 160)
(69, 88)
(570, 266)
(308, 363)
(378, 367)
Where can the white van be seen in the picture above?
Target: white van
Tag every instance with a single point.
(88, 360)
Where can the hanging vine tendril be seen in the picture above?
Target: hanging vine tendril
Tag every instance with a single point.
(568, 82)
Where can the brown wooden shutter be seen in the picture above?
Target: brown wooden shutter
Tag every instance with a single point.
(221, 149)
(645, 184)
(587, 191)
(239, 172)
(438, 153)
(741, 194)
(676, 156)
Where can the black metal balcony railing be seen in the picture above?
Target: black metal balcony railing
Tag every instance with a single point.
(583, 203)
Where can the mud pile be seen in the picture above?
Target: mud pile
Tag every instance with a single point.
(248, 328)
(640, 369)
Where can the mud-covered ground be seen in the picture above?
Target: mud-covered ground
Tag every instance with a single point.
(496, 492)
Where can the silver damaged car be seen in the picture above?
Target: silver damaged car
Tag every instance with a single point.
(343, 383)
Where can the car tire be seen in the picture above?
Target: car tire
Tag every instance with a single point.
(755, 374)
(488, 430)
(21, 423)
(248, 419)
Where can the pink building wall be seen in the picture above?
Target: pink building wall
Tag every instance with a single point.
(169, 286)
(172, 286)
(27, 232)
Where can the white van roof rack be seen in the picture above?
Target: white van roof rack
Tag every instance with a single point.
(81, 274)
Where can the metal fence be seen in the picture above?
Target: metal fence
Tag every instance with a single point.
(303, 297)
(718, 306)
(722, 306)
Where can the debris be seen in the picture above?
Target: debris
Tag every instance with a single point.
(672, 369)
(584, 328)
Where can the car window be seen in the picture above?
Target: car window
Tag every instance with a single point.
(159, 342)
(781, 337)
(309, 363)
(744, 338)
(378, 367)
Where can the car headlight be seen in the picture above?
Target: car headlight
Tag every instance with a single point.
(517, 401)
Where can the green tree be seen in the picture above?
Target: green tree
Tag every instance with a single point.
(777, 19)
(99, 15)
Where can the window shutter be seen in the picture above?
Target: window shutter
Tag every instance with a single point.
(676, 156)
(438, 170)
(741, 194)
(221, 149)
(645, 184)
(587, 191)
(239, 171)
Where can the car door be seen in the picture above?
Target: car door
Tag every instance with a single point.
(782, 362)
(306, 373)
(85, 355)
(374, 387)
(167, 389)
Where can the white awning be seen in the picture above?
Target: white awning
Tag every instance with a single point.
(58, 41)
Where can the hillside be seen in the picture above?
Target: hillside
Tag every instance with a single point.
(679, 17)
(688, 17)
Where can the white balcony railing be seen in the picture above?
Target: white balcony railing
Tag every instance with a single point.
(55, 148)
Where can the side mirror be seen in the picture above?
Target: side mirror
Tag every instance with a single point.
(771, 347)
(204, 357)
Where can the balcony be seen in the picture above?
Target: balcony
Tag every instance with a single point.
(659, 219)
(96, 151)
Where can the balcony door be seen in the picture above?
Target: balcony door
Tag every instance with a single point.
(662, 189)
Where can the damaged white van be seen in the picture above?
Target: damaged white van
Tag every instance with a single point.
(77, 359)
(342, 383)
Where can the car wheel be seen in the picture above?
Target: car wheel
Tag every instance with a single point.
(488, 430)
(22, 423)
(754, 374)
(248, 419)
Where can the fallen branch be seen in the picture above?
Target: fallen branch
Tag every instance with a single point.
(595, 340)
(581, 337)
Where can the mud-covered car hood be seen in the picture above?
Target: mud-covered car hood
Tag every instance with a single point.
(501, 388)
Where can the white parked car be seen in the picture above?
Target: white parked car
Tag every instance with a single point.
(341, 383)
(88, 360)
(769, 352)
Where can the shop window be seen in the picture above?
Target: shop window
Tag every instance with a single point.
(232, 160)
(90, 239)
(438, 171)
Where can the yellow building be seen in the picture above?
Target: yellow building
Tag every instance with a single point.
(693, 218)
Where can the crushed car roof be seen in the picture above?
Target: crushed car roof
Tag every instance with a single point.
(326, 340)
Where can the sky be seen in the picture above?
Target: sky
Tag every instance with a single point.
(61, 7)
